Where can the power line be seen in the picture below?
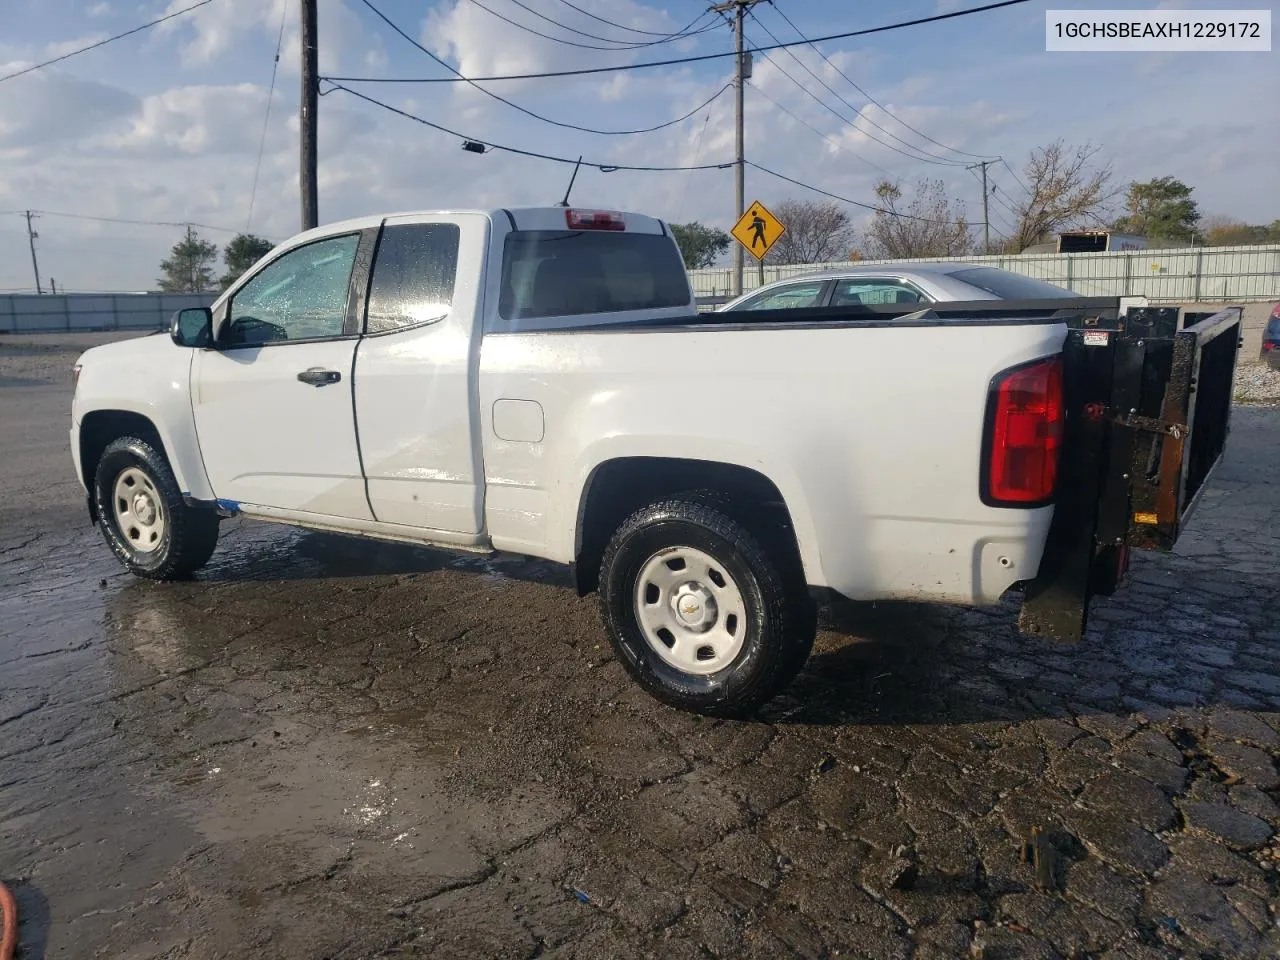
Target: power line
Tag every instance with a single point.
(697, 152)
(94, 46)
(1014, 173)
(1003, 202)
(602, 167)
(857, 113)
(622, 26)
(515, 106)
(869, 97)
(993, 193)
(798, 119)
(853, 124)
(621, 45)
(856, 203)
(142, 223)
(262, 143)
(682, 60)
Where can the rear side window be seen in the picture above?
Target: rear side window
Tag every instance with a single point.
(1009, 286)
(413, 276)
(792, 296)
(869, 290)
(563, 273)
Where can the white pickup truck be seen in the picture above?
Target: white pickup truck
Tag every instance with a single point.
(538, 381)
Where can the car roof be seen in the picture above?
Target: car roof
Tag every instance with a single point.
(922, 267)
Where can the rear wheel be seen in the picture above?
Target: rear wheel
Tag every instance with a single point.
(144, 519)
(700, 614)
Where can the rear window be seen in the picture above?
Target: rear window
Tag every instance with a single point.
(1009, 286)
(563, 273)
(1273, 329)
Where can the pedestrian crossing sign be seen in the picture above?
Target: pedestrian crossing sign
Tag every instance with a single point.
(758, 230)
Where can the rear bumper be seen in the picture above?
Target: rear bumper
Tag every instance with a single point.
(972, 563)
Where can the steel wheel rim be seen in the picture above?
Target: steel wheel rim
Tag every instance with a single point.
(138, 510)
(690, 610)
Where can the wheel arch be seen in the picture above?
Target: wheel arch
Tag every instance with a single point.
(98, 428)
(617, 487)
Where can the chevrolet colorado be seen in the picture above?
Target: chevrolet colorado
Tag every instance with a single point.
(538, 381)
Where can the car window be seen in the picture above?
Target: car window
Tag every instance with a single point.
(871, 290)
(791, 296)
(413, 275)
(301, 295)
(1008, 286)
(562, 273)
(1273, 329)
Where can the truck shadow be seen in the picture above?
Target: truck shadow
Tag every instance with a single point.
(1175, 636)
(1163, 642)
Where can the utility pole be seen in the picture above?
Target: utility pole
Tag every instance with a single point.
(31, 239)
(986, 220)
(743, 71)
(307, 117)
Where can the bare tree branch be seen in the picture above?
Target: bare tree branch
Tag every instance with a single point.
(1066, 188)
(931, 225)
(818, 231)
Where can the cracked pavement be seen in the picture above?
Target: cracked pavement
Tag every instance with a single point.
(323, 747)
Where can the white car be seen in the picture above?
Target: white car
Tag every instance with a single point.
(538, 381)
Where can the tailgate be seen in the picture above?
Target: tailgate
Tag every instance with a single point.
(1148, 412)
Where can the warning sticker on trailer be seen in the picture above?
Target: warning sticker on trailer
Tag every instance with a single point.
(1097, 338)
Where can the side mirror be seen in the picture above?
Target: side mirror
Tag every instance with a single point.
(192, 327)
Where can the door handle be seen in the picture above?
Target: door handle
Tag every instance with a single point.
(318, 376)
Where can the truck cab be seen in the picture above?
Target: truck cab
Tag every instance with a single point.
(255, 402)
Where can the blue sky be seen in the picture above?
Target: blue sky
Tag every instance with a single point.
(166, 124)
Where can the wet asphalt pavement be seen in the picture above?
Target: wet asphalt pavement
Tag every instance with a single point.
(328, 748)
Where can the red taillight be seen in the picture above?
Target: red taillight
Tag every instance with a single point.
(1024, 434)
(594, 220)
(1268, 345)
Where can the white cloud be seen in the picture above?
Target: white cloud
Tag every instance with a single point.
(100, 9)
(196, 120)
(47, 106)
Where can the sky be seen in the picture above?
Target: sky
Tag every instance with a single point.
(167, 124)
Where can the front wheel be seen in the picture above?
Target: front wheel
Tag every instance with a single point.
(144, 519)
(699, 612)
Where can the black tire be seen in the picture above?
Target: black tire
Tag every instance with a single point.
(780, 618)
(189, 533)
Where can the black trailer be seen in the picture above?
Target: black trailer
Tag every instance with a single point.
(1148, 412)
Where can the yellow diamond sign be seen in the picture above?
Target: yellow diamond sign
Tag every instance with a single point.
(758, 230)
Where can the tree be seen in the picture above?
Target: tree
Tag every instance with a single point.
(189, 268)
(1160, 210)
(931, 225)
(699, 245)
(240, 254)
(1228, 232)
(817, 231)
(1065, 188)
